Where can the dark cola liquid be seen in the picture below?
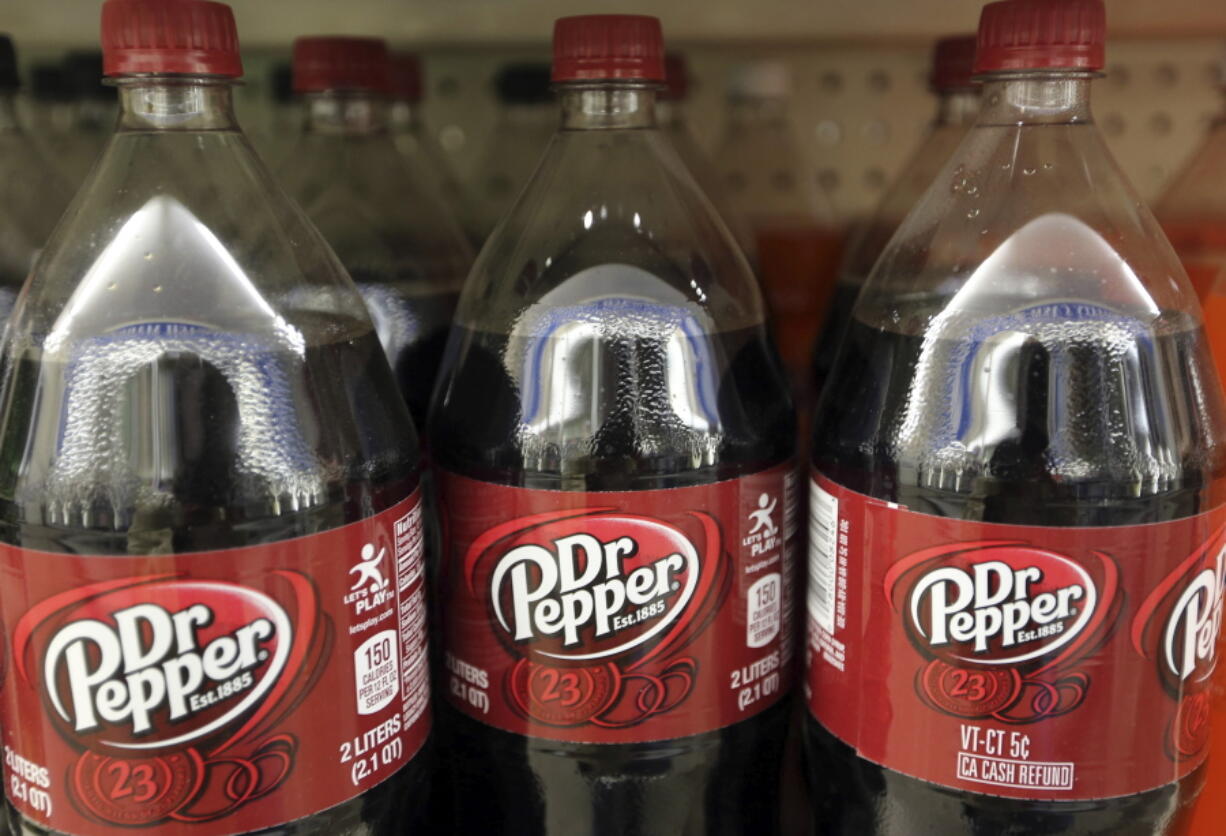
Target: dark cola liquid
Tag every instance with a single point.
(412, 327)
(721, 782)
(1097, 398)
(212, 497)
(830, 337)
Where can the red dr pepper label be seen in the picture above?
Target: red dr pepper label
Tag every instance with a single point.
(1017, 661)
(214, 692)
(618, 617)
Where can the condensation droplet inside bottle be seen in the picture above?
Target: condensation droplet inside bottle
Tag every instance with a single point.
(1028, 171)
(157, 288)
(973, 213)
(113, 286)
(148, 256)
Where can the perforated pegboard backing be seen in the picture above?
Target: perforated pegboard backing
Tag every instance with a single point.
(859, 109)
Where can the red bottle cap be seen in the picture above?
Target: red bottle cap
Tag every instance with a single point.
(1042, 34)
(194, 37)
(340, 63)
(953, 63)
(405, 71)
(601, 47)
(677, 76)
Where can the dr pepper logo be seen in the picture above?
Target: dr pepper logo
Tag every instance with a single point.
(599, 598)
(595, 605)
(170, 683)
(1004, 625)
(117, 663)
(1177, 629)
(1006, 606)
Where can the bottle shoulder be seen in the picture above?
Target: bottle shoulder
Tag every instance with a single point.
(185, 228)
(187, 341)
(603, 199)
(378, 211)
(1028, 338)
(1194, 197)
(1032, 212)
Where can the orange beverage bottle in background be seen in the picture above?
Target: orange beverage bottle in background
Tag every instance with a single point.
(799, 237)
(798, 261)
(1193, 215)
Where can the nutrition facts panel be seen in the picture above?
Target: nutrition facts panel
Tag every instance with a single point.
(410, 594)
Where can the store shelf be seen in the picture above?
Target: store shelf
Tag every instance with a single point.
(860, 109)
(860, 67)
(268, 22)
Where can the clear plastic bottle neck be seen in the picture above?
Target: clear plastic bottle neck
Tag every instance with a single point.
(347, 113)
(608, 106)
(957, 107)
(1036, 98)
(176, 103)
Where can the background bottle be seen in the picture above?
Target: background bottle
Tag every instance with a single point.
(1025, 387)
(953, 60)
(527, 118)
(50, 100)
(799, 237)
(75, 150)
(281, 122)
(32, 196)
(426, 158)
(670, 113)
(399, 243)
(202, 446)
(609, 376)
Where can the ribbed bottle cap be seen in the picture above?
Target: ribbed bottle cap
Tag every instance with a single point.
(605, 47)
(1042, 34)
(405, 70)
(677, 76)
(9, 79)
(340, 63)
(195, 37)
(953, 63)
